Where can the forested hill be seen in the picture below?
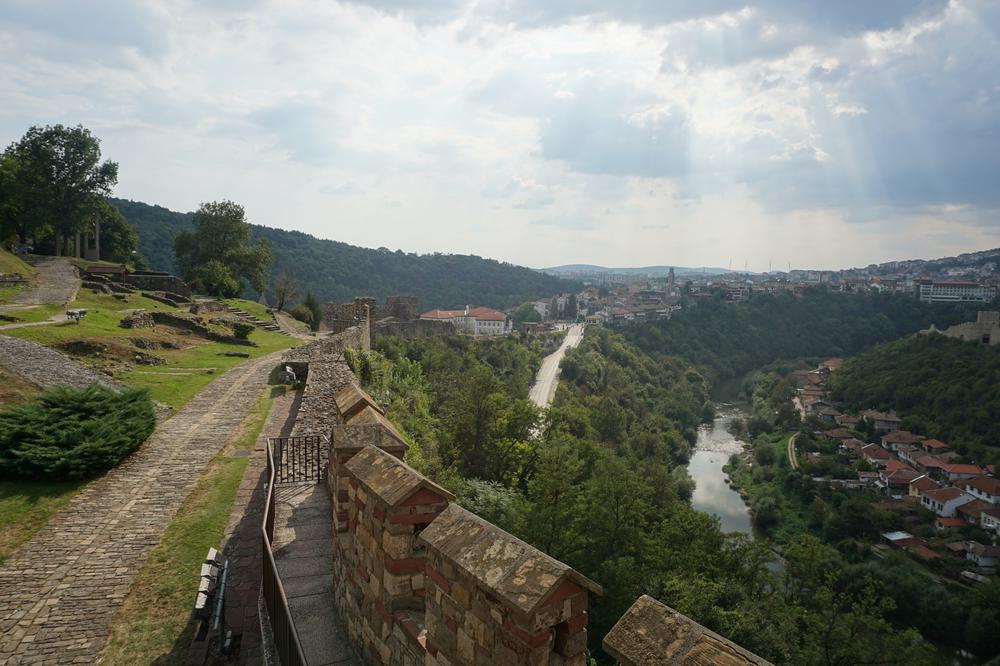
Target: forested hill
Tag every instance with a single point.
(728, 340)
(941, 387)
(337, 271)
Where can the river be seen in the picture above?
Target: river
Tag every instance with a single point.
(711, 493)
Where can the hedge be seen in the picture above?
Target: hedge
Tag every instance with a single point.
(73, 433)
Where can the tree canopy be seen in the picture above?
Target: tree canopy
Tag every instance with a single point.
(218, 253)
(338, 272)
(51, 183)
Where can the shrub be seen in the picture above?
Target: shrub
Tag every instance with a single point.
(72, 433)
(242, 330)
(302, 313)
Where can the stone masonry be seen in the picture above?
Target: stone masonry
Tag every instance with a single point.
(61, 589)
(45, 367)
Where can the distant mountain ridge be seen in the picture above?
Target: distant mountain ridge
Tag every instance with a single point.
(640, 270)
(337, 272)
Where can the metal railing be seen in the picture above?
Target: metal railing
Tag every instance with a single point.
(286, 639)
(299, 459)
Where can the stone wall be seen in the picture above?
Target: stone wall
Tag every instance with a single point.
(195, 326)
(420, 581)
(158, 282)
(415, 328)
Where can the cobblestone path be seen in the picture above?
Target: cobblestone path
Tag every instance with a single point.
(60, 591)
(45, 367)
(57, 283)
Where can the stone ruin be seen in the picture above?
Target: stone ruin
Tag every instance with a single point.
(137, 319)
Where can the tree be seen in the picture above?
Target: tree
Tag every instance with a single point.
(315, 309)
(119, 239)
(571, 310)
(58, 178)
(218, 253)
(285, 290)
(526, 312)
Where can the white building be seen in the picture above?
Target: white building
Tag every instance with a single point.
(542, 308)
(952, 291)
(475, 321)
(944, 501)
(984, 488)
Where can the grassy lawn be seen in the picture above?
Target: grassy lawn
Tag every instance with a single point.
(14, 390)
(11, 263)
(252, 307)
(186, 371)
(154, 625)
(25, 507)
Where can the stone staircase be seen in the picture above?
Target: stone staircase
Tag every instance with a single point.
(243, 315)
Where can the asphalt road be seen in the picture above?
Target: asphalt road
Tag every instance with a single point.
(547, 379)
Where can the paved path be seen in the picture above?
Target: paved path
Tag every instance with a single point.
(547, 379)
(57, 282)
(59, 592)
(303, 552)
(57, 318)
(45, 367)
(241, 544)
(792, 458)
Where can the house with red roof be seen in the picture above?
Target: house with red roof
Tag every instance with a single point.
(944, 501)
(922, 482)
(475, 321)
(972, 511)
(962, 471)
(876, 455)
(943, 524)
(983, 555)
(929, 464)
(934, 446)
(838, 433)
(896, 437)
(883, 422)
(847, 421)
(985, 488)
(990, 519)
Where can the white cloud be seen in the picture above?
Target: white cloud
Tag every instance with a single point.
(541, 133)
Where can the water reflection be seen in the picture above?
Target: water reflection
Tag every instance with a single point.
(711, 494)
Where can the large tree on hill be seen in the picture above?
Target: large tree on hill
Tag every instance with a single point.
(218, 253)
(52, 179)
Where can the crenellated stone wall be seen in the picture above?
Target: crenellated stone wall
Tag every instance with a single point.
(420, 581)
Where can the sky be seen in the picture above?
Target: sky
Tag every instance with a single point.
(764, 133)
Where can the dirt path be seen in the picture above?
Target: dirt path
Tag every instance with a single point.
(57, 283)
(59, 592)
(792, 458)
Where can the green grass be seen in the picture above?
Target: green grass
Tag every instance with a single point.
(11, 263)
(186, 372)
(34, 313)
(252, 307)
(25, 507)
(153, 624)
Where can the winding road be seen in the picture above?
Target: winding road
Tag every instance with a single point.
(547, 379)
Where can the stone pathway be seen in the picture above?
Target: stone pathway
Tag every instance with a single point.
(303, 551)
(241, 544)
(57, 282)
(57, 318)
(60, 591)
(45, 367)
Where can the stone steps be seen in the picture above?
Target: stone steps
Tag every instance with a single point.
(271, 326)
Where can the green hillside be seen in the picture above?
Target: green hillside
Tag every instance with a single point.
(337, 271)
(941, 387)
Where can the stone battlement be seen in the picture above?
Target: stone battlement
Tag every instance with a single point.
(421, 581)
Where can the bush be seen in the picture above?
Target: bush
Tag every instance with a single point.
(302, 313)
(72, 433)
(242, 330)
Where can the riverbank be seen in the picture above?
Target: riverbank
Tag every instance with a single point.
(714, 492)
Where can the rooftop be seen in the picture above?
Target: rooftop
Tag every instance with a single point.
(653, 634)
(389, 478)
(518, 573)
(351, 399)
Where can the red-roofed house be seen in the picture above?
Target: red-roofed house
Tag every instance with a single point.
(972, 511)
(883, 422)
(838, 433)
(922, 483)
(985, 488)
(929, 464)
(982, 555)
(934, 446)
(941, 523)
(960, 471)
(990, 519)
(923, 552)
(477, 321)
(944, 501)
(852, 446)
(876, 455)
(892, 439)
(847, 421)
(896, 482)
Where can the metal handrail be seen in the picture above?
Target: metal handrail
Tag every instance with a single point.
(286, 638)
